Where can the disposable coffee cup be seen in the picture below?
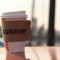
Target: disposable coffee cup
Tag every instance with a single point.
(15, 31)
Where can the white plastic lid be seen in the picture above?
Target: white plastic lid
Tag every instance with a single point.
(17, 14)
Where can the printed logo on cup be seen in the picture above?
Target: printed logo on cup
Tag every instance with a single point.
(14, 31)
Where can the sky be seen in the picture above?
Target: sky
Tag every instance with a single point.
(41, 10)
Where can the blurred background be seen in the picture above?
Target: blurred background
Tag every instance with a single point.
(38, 13)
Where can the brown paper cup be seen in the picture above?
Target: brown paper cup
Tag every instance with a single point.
(15, 33)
